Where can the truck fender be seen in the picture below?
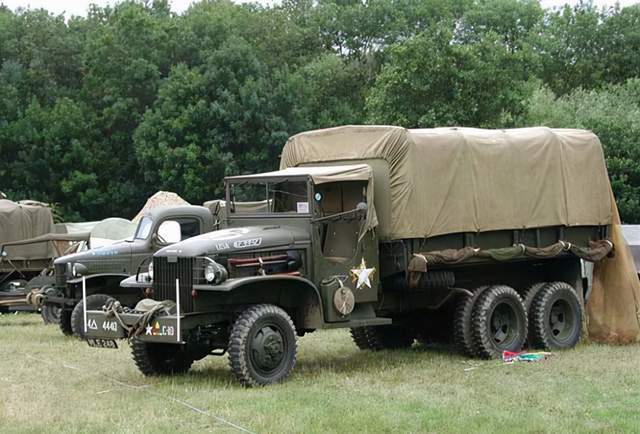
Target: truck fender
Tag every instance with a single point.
(101, 280)
(108, 284)
(290, 291)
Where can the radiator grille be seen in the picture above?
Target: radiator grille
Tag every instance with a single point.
(61, 278)
(165, 274)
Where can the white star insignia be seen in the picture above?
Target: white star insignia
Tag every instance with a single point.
(149, 330)
(361, 275)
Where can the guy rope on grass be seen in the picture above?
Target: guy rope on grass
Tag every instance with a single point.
(145, 386)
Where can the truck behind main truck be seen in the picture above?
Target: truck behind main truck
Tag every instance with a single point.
(396, 234)
(103, 268)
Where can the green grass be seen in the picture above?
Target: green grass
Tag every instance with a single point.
(52, 383)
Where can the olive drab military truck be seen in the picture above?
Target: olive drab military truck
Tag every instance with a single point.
(29, 242)
(466, 234)
(103, 268)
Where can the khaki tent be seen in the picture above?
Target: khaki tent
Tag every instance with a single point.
(21, 222)
(431, 182)
(161, 198)
(613, 309)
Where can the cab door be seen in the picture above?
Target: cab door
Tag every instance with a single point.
(345, 259)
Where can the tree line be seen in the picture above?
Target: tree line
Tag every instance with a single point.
(98, 113)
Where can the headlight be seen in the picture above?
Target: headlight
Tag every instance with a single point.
(214, 272)
(150, 270)
(78, 270)
(210, 273)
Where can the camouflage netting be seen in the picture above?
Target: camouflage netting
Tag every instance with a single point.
(613, 309)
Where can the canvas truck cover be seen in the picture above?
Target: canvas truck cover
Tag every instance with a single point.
(445, 180)
(218, 206)
(21, 222)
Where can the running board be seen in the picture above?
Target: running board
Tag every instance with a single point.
(376, 321)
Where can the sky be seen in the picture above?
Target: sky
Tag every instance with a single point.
(79, 7)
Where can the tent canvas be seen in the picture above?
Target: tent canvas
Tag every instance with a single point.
(160, 198)
(21, 222)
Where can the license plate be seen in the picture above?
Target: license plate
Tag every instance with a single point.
(102, 343)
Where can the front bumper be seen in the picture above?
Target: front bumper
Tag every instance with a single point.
(161, 329)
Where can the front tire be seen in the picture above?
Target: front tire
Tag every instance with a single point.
(51, 314)
(262, 345)
(65, 322)
(499, 322)
(159, 359)
(94, 302)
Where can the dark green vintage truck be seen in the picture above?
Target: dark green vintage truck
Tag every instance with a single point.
(103, 268)
(469, 235)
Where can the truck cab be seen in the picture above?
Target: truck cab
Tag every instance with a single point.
(307, 260)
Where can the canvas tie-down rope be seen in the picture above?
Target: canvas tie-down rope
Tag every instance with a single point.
(418, 265)
(150, 307)
(147, 390)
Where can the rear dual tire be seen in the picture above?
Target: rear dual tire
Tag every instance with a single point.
(495, 319)
(498, 322)
(555, 317)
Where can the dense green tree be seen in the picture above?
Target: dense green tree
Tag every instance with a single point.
(206, 117)
(430, 80)
(97, 113)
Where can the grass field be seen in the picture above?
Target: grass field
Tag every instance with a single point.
(51, 383)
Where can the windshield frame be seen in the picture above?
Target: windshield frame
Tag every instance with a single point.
(271, 179)
(144, 220)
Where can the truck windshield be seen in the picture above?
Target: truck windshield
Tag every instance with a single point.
(144, 228)
(269, 197)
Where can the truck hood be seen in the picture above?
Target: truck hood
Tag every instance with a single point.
(105, 252)
(232, 240)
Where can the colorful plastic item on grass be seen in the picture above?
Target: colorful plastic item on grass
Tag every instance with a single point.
(511, 356)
